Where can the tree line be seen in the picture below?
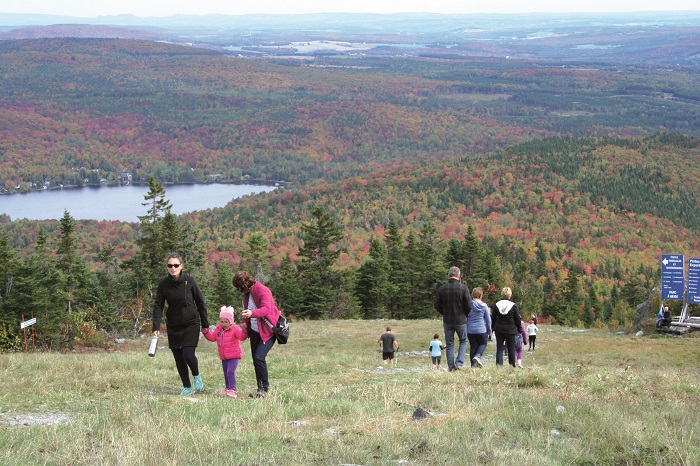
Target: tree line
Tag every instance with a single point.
(81, 303)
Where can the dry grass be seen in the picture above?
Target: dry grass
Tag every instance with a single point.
(584, 398)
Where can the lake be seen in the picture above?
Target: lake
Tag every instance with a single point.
(123, 203)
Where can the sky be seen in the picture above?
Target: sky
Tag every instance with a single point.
(145, 8)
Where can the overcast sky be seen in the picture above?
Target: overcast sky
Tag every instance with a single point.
(91, 8)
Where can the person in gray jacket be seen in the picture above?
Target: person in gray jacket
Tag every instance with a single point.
(506, 324)
(478, 327)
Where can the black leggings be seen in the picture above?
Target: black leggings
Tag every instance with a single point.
(532, 341)
(184, 358)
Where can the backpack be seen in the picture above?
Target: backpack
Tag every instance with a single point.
(518, 341)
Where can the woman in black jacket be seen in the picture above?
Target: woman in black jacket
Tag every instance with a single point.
(186, 315)
(506, 324)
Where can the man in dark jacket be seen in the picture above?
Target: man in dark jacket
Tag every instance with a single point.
(454, 302)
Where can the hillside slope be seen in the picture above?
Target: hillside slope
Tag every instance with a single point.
(601, 201)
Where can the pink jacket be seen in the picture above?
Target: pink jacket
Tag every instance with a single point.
(266, 307)
(228, 341)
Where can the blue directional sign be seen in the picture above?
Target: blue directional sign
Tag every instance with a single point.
(673, 277)
(694, 281)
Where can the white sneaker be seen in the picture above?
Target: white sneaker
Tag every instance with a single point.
(477, 360)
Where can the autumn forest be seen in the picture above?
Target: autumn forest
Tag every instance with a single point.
(565, 182)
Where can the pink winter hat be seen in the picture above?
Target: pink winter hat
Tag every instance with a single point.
(226, 313)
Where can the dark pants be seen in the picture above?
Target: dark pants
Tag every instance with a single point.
(259, 351)
(477, 345)
(509, 340)
(184, 359)
(531, 339)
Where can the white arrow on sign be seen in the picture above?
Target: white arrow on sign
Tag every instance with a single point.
(665, 261)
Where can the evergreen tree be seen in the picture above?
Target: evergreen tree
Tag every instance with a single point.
(431, 267)
(493, 275)
(224, 293)
(256, 258)
(410, 300)
(527, 292)
(587, 316)
(67, 259)
(398, 269)
(455, 254)
(473, 273)
(541, 255)
(289, 296)
(8, 263)
(633, 292)
(318, 255)
(155, 242)
(372, 282)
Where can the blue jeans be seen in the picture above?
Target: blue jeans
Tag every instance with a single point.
(450, 331)
(477, 345)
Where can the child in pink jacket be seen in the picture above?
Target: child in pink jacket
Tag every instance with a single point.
(519, 351)
(228, 336)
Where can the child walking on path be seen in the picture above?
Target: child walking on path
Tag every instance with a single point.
(520, 345)
(436, 351)
(532, 334)
(228, 337)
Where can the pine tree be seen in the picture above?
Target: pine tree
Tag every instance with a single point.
(318, 255)
(8, 263)
(430, 268)
(409, 301)
(473, 273)
(256, 258)
(154, 242)
(67, 258)
(397, 286)
(289, 295)
(587, 316)
(455, 254)
(225, 294)
(372, 282)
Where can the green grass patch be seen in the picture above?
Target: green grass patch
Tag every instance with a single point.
(584, 398)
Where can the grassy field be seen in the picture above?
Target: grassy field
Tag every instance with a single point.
(584, 398)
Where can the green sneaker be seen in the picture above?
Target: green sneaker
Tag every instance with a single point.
(187, 391)
(198, 384)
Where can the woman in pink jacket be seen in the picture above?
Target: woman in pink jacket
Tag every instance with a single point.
(260, 314)
(228, 336)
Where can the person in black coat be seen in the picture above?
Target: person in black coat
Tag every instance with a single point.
(505, 317)
(185, 317)
(454, 302)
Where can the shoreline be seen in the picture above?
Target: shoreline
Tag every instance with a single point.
(279, 184)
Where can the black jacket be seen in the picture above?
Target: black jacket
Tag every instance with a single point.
(505, 317)
(187, 312)
(454, 302)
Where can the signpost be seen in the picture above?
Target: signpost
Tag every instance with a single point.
(694, 280)
(23, 325)
(27, 323)
(673, 277)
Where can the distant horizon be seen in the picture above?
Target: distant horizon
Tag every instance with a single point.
(161, 8)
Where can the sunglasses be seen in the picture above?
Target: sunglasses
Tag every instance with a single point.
(173, 266)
